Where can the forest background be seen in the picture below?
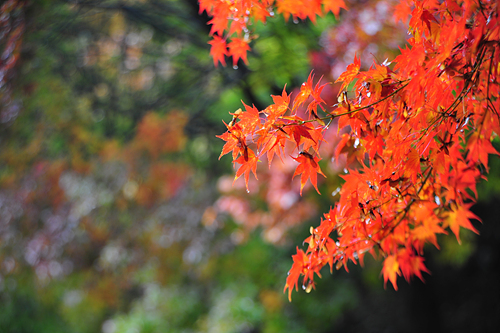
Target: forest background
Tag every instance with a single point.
(117, 216)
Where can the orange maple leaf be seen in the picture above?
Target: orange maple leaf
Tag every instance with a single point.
(317, 100)
(309, 168)
(391, 270)
(234, 140)
(299, 261)
(219, 24)
(248, 163)
(413, 164)
(249, 119)
(305, 91)
(479, 149)
(333, 6)
(279, 107)
(238, 48)
(402, 11)
(460, 218)
(411, 264)
(218, 50)
(274, 146)
(350, 73)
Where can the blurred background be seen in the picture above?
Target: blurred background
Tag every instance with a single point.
(117, 216)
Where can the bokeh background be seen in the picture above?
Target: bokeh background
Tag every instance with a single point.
(116, 214)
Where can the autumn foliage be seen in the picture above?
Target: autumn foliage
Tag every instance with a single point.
(417, 131)
(232, 21)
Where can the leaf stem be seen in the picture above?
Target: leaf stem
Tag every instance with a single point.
(370, 105)
(331, 116)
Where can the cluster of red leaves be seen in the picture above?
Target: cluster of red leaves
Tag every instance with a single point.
(267, 132)
(232, 20)
(421, 128)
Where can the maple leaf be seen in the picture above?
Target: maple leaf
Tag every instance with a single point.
(391, 270)
(313, 139)
(479, 149)
(249, 119)
(402, 11)
(237, 26)
(260, 11)
(279, 107)
(308, 169)
(289, 7)
(460, 217)
(350, 73)
(333, 6)
(248, 163)
(411, 59)
(299, 261)
(238, 48)
(305, 91)
(411, 264)
(274, 146)
(375, 146)
(219, 24)
(317, 100)
(300, 132)
(234, 140)
(218, 51)
(421, 16)
(413, 164)
(429, 227)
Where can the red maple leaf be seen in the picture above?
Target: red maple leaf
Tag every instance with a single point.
(308, 168)
(218, 51)
(249, 119)
(234, 140)
(248, 163)
(305, 91)
(460, 218)
(299, 261)
(317, 100)
(238, 48)
(350, 73)
(333, 6)
(391, 270)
